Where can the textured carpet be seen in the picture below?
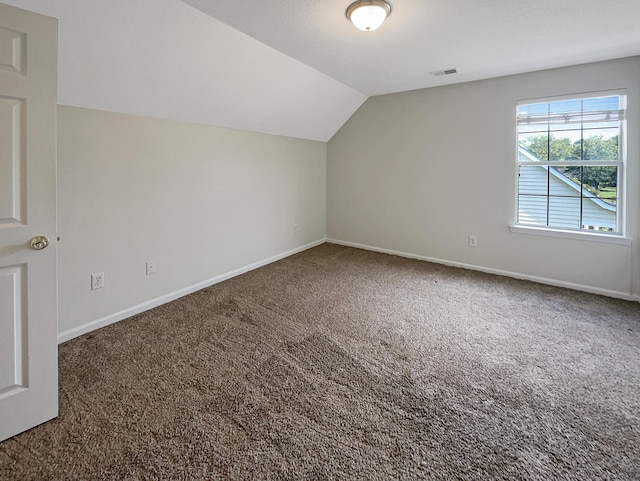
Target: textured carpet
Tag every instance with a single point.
(338, 363)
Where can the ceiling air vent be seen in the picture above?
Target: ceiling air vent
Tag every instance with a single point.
(440, 73)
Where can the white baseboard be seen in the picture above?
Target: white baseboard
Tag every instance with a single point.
(145, 306)
(542, 280)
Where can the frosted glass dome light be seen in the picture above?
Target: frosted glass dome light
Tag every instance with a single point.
(367, 15)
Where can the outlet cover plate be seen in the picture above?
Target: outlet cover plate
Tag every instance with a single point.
(97, 281)
(151, 268)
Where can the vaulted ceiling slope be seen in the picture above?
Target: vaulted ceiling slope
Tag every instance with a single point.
(479, 38)
(166, 59)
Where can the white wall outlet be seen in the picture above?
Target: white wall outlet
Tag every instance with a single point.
(97, 281)
(151, 268)
(473, 241)
(296, 228)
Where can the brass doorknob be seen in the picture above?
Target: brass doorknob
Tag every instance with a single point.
(39, 242)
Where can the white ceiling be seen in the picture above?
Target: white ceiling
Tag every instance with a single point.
(480, 38)
(298, 68)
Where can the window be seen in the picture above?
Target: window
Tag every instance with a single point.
(571, 160)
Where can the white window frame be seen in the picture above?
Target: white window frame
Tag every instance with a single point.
(617, 237)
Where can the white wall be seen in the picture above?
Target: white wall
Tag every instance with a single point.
(201, 201)
(418, 172)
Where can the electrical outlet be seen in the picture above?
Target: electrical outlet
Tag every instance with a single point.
(473, 241)
(151, 268)
(97, 281)
(296, 227)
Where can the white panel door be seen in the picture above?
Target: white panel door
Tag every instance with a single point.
(28, 297)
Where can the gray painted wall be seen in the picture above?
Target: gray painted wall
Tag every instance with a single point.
(201, 201)
(418, 172)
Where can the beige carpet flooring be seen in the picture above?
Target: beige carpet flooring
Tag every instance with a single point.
(342, 364)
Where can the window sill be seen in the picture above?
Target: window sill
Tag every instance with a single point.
(568, 234)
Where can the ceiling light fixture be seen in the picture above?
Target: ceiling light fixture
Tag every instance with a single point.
(367, 15)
